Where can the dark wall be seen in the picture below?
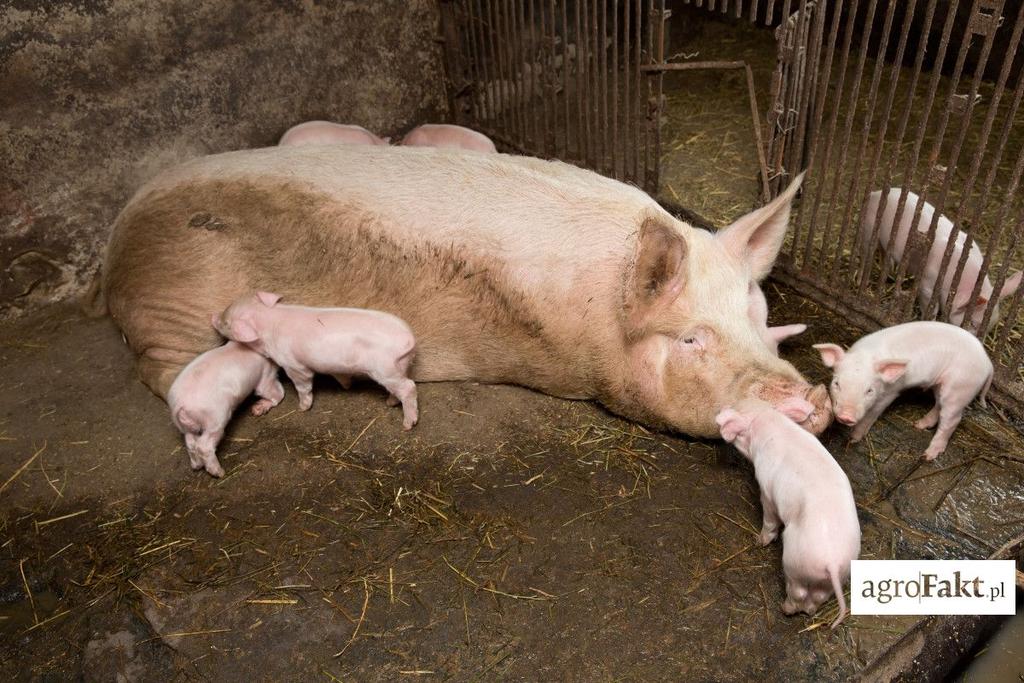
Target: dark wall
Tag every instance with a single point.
(98, 95)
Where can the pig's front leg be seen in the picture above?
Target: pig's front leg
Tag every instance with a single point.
(950, 412)
(270, 391)
(206, 450)
(870, 417)
(302, 378)
(770, 525)
(404, 389)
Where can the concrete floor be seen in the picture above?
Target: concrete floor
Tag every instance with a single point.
(510, 535)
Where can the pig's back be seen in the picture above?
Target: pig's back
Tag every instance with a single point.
(932, 344)
(225, 371)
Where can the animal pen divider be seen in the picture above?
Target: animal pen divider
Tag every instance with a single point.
(866, 95)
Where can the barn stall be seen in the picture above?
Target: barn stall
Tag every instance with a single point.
(511, 534)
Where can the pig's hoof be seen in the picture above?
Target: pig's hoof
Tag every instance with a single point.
(305, 405)
(767, 537)
(931, 454)
(926, 422)
(215, 470)
(261, 407)
(789, 608)
(409, 424)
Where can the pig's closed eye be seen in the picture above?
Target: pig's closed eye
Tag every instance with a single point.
(870, 391)
(835, 384)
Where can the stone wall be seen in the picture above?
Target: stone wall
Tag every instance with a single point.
(98, 95)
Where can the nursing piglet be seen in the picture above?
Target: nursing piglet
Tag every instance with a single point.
(757, 311)
(874, 371)
(341, 342)
(326, 133)
(207, 391)
(944, 231)
(445, 135)
(805, 491)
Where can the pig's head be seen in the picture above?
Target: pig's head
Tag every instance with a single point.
(858, 380)
(692, 346)
(962, 300)
(735, 423)
(240, 321)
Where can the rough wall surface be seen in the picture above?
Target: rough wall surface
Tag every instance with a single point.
(98, 95)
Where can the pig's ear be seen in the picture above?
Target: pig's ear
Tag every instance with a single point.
(242, 331)
(782, 332)
(267, 298)
(830, 354)
(795, 408)
(659, 275)
(891, 369)
(214, 320)
(1011, 285)
(757, 237)
(730, 424)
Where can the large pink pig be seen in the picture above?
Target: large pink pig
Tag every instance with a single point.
(326, 133)
(208, 390)
(508, 269)
(446, 135)
(944, 231)
(926, 354)
(757, 310)
(341, 342)
(803, 490)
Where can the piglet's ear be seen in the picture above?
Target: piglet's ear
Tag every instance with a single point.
(891, 369)
(780, 333)
(214, 320)
(242, 331)
(1011, 285)
(730, 424)
(795, 408)
(267, 298)
(830, 354)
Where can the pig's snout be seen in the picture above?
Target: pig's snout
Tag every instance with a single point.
(846, 417)
(821, 418)
(817, 396)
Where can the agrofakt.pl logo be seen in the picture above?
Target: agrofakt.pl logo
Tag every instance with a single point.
(932, 587)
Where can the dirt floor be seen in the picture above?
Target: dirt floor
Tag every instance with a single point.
(510, 535)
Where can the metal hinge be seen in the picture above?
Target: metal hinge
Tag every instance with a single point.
(987, 19)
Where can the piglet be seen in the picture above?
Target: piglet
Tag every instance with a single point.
(945, 358)
(757, 311)
(805, 491)
(326, 133)
(944, 231)
(341, 342)
(206, 393)
(444, 135)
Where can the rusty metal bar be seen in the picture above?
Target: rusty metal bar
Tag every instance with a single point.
(616, 172)
(638, 96)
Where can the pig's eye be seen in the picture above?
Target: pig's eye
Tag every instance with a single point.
(689, 340)
(835, 384)
(870, 391)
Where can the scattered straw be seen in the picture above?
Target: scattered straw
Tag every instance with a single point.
(22, 468)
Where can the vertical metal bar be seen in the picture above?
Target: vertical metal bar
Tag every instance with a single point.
(906, 263)
(515, 70)
(604, 87)
(594, 93)
(894, 77)
(911, 167)
(627, 96)
(581, 53)
(997, 231)
(968, 189)
(500, 111)
(615, 93)
(835, 255)
(830, 138)
(826, 78)
(452, 60)
(638, 99)
(660, 26)
(476, 92)
(869, 249)
(565, 73)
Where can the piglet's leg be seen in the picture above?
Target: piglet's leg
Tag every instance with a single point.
(770, 526)
(872, 415)
(404, 389)
(206, 449)
(195, 459)
(270, 391)
(951, 409)
(303, 381)
(930, 419)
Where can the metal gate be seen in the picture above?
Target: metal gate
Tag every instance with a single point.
(919, 95)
